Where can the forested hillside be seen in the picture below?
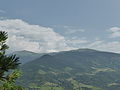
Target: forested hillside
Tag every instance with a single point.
(82, 69)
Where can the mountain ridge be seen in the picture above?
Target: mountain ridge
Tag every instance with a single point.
(89, 68)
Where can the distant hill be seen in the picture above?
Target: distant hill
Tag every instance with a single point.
(26, 56)
(82, 69)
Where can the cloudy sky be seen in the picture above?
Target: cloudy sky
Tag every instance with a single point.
(58, 25)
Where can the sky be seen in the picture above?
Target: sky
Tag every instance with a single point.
(57, 25)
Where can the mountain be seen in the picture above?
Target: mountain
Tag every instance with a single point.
(82, 69)
(26, 56)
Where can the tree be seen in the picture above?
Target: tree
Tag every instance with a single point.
(8, 65)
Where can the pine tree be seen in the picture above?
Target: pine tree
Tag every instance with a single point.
(8, 65)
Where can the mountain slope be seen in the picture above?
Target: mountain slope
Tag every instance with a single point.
(26, 56)
(84, 69)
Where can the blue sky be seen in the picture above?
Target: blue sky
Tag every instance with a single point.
(82, 23)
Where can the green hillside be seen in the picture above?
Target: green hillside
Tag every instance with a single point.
(26, 56)
(82, 69)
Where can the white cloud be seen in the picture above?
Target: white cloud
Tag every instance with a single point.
(115, 32)
(76, 40)
(68, 30)
(113, 46)
(95, 43)
(23, 36)
(73, 30)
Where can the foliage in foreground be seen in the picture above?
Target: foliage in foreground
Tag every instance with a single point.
(8, 66)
